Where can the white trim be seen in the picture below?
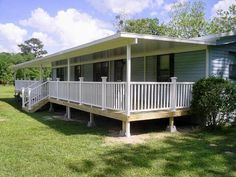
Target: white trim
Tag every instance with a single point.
(163, 38)
(110, 42)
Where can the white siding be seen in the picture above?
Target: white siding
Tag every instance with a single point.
(151, 69)
(137, 69)
(220, 59)
(190, 66)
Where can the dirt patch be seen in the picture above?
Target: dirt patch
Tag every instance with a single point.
(114, 138)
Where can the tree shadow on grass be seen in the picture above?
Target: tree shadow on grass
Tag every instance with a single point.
(188, 155)
(62, 126)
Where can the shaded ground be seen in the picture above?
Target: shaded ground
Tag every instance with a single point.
(39, 145)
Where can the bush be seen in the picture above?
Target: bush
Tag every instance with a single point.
(214, 100)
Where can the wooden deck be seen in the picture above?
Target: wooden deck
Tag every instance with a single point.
(118, 115)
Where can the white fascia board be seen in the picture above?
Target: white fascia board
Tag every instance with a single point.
(85, 48)
(162, 38)
(123, 35)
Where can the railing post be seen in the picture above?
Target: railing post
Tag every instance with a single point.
(29, 98)
(58, 79)
(81, 79)
(23, 97)
(48, 85)
(104, 80)
(173, 93)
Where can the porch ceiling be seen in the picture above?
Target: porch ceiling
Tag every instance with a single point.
(145, 43)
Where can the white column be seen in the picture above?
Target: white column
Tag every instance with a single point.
(68, 78)
(58, 79)
(41, 73)
(68, 111)
(104, 80)
(68, 69)
(173, 93)
(128, 78)
(81, 80)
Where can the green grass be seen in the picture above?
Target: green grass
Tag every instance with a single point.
(31, 145)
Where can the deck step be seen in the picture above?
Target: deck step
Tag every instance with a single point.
(37, 106)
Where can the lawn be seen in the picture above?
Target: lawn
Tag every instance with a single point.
(31, 145)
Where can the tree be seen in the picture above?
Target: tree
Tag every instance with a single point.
(187, 20)
(6, 73)
(214, 99)
(33, 46)
(224, 21)
(145, 26)
(120, 22)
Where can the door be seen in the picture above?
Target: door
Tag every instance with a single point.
(77, 71)
(165, 67)
(100, 70)
(119, 69)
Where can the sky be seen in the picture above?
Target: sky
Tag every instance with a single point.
(62, 24)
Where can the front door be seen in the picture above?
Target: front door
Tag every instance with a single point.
(119, 69)
(100, 70)
(165, 68)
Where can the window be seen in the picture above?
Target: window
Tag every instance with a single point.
(232, 71)
(100, 70)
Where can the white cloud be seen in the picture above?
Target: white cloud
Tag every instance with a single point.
(10, 36)
(222, 4)
(47, 40)
(66, 29)
(129, 7)
(169, 6)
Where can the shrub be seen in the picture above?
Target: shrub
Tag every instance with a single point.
(214, 100)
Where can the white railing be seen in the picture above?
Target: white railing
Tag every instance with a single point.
(105, 95)
(183, 94)
(150, 96)
(32, 96)
(144, 96)
(19, 84)
(115, 95)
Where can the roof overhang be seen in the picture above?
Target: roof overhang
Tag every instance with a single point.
(110, 42)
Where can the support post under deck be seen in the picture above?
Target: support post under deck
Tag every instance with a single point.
(91, 122)
(171, 127)
(125, 129)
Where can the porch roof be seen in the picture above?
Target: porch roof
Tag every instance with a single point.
(115, 41)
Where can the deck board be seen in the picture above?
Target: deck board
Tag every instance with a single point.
(120, 115)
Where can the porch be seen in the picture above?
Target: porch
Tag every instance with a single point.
(137, 86)
(147, 100)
